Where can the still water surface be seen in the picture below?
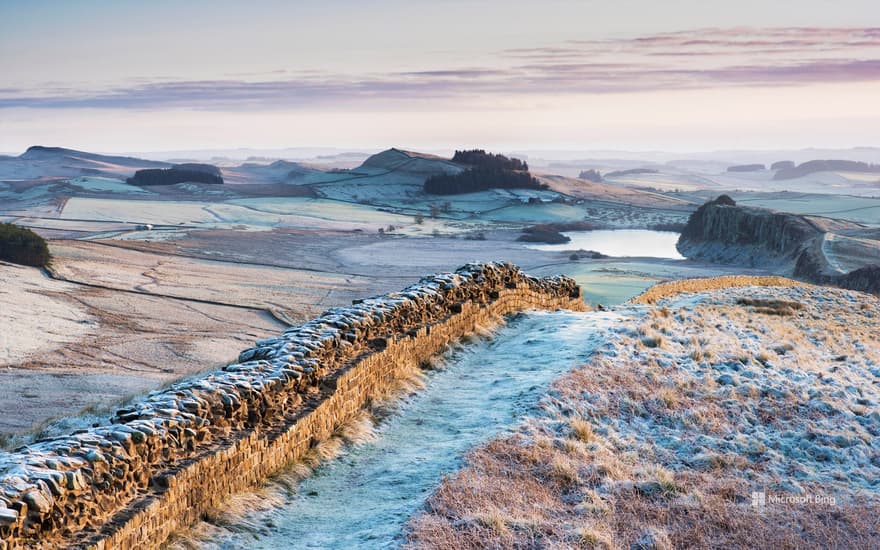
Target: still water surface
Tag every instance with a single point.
(621, 243)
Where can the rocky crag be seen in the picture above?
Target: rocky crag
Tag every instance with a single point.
(788, 244)
(167, 459)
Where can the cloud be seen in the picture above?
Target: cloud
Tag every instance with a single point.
(737, 41)
(454, 73)
(698, 59)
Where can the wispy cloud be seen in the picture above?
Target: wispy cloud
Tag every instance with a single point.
(704, 58)
(717, 42)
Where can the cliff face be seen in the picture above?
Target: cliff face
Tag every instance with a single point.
(866, 279)
(720, 231)
(787, 244)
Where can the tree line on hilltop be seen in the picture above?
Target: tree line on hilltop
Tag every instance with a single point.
(485, 171)
(171, 176)
(480, 158)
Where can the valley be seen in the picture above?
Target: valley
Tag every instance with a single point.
(153, 284)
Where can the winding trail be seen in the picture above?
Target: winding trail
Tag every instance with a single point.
(363, 498)
(828, 253)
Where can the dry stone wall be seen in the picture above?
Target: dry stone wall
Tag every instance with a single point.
(169, 458)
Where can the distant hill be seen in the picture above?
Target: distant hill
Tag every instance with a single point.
(631, 172)
(408, 163)
(746, 168)
(198, 167)
(40, 162)
(42, 153)
(279, 171)
(810, 167)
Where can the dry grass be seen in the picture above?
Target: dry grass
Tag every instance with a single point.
(772, 306)
(672, 288)
(581, 429)
(535, 507)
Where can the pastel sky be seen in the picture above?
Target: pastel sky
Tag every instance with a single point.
(673, 75)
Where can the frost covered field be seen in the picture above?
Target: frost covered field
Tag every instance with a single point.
(256, 213)
(35, 316)
(682, 424)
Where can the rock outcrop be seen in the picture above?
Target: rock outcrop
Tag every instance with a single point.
(786, 244)
(866, 279)
(720, 231)
(170, 457)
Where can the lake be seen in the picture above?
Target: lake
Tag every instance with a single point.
(621, 243)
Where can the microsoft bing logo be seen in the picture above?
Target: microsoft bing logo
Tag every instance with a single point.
(759, 499)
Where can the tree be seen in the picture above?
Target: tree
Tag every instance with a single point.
(591, 175)
(20, 245)
(171, 176)
(480, 179)
(480, 158)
